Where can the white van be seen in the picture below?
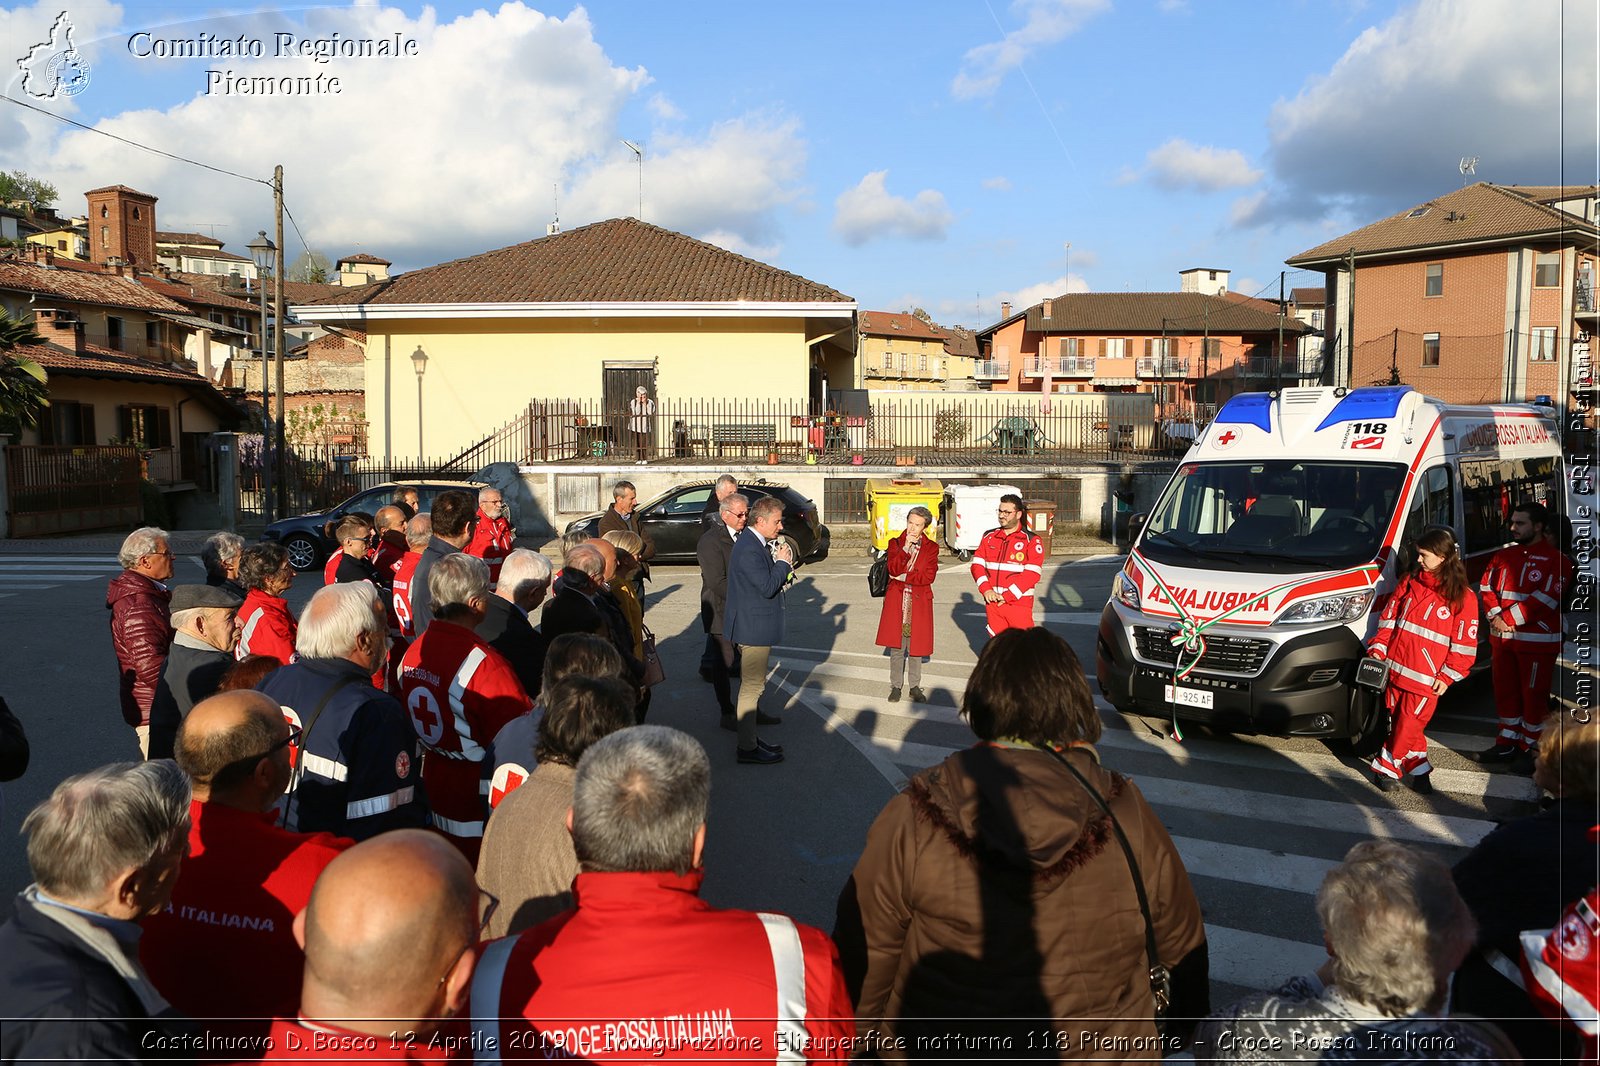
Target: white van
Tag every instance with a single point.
(1248, 593)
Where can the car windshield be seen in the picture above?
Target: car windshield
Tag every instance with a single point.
(1274, 515)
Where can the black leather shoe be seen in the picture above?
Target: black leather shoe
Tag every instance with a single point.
(1384, 782)
(763, 718)
(917, 695)
(894, 695)
(705, 675)
(1523, 763)
(764, 746)
(1496, 754)
(760, 756)
(1421, 784)
(730, 723)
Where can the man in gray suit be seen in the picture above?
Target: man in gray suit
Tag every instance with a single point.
(714, 551)
(758, 570)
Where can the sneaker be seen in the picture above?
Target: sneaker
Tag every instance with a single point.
(894, 695)
(763, 718)
(764, 746)
(1421, 784)
(917, 695)
(1384, 782)
(730, 722)
(759, 755)
(1496, 754)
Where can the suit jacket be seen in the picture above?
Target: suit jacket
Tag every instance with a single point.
(513, 636)
(754, 612)
(611, 520)
(714, 551)
(569, 611)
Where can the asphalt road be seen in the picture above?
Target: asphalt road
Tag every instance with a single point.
(1258, 820)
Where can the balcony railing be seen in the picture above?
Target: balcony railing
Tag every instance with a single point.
(1583, 299)
(991, 371)
(1155, 367)
(157, 351)
(1066, 366)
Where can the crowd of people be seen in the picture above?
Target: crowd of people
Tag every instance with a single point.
(419, 821)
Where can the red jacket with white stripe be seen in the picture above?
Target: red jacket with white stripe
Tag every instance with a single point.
(491, 542)
(1424, 637)
(459, 693)
(1010, 563)
(400, 602)
(1524, 583)
(644, 970)
(267, 627)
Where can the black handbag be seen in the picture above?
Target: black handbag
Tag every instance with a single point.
(878, 577)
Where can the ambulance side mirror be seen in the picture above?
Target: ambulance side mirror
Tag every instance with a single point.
(1136, 526)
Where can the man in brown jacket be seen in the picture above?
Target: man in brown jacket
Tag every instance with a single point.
(141, 629)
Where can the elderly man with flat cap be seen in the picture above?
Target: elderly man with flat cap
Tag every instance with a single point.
(389, 936)
(205, 631)
(245, 879)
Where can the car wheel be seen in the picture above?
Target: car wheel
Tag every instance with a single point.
(302, 552)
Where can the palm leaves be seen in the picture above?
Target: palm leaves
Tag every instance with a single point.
(24, 385)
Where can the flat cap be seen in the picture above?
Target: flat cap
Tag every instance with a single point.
(188, 597)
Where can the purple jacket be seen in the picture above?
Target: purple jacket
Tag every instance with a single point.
(141, 633)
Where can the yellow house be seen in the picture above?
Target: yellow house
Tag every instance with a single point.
(456, 350)
(901, 351)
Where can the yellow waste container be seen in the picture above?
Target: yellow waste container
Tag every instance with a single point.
(1042, 520)
(888, 500)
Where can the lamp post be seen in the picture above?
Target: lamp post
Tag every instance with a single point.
(419, 359)
(261, 251)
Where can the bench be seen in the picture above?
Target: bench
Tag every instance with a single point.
(744, 436)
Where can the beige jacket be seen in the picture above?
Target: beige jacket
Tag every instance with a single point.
(527, 861)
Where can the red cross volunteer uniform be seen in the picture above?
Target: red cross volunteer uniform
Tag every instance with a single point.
(1010, 564)
(1522, 586)
(265, 627)
(491, 542)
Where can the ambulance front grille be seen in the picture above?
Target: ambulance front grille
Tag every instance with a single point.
(1235, 655)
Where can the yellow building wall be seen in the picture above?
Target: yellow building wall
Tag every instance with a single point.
(875, 375)
(482, 373)
(107, 396)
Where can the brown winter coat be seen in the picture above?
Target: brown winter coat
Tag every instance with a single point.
(994, 887)
(141, 633)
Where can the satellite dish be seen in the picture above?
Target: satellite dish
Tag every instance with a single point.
(1468, 165)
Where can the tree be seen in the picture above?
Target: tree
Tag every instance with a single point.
(309, 266)
(24, 385)
(17, 187)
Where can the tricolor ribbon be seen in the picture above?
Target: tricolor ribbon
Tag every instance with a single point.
(1190, 636)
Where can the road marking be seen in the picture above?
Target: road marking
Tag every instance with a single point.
(13, 576)
(1256, 960)
(99, 568)
(838, 726)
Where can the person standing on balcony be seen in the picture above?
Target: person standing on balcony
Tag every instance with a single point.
(641, 409)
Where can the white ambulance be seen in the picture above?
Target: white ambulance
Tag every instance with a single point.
(1248, 593)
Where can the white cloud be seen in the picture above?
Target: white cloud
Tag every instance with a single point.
(1248, 286)
(1029, 295)
(868, 211)
(1180, 164)
(1044, 23)
(999, 183)
(1440, 80)
(447, 153)
(663, 109)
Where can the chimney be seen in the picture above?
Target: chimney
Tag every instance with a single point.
(61, 321)
(1005, 308)
(1049, 306)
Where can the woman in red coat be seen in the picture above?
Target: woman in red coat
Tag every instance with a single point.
(906, 627)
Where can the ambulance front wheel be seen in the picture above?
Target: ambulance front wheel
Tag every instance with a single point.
(965, 555)
(1369, 720)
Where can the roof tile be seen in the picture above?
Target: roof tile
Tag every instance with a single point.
(83, 286)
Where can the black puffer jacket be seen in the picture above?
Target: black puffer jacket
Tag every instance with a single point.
(141, 633)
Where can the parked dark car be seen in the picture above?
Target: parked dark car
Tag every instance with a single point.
(675, 519)
(307, 536)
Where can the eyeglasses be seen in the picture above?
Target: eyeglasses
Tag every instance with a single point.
(166, 554)
(488, 903)
(737, 514)
(240, 767)
(1008, 510)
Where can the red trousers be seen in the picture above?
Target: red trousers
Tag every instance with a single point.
(1523, 673)
(1004, 616)
(1406, 751)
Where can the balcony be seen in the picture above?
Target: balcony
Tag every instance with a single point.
(990, 370)
(1155, 367)
(1583, 299)
(1066, 366)
(156, 351)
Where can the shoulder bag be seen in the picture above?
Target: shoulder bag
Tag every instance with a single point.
(878, 576)
(1160, 976)
(654, 672)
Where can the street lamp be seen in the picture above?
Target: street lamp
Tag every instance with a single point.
(419, 359)
(262, 250)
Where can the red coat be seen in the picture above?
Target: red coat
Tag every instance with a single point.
(267, 627)
(241, 886)
(1524, 582)
(491, 542)
(141, 633)
(644, 970)
(1424, 637)
(919, 580)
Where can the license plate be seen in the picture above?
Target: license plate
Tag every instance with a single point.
(1188, 697)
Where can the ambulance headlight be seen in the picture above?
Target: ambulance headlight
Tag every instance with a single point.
(1127, 592)
(1346, 607)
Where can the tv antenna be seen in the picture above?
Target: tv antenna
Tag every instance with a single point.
(555, 219)
(1468, 167)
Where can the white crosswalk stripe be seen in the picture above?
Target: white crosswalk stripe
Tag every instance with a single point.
(36, 572)
(1226, 801)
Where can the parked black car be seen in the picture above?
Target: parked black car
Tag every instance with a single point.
(306, 536)
(675, 519)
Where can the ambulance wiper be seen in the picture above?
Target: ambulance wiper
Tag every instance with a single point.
(1166, 536)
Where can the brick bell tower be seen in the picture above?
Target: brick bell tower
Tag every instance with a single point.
(122, 225)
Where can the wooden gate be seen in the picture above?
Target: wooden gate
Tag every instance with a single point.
(68, 489)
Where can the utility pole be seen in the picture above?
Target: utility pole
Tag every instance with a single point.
(1281, 307)
(1350, 327)
(277, 336)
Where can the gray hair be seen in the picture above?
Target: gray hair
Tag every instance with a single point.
(457, 580)
(523, 572)
(763, 507)
(490, 488)
(620, 487)
(726, 479)
(1396, 925)
(732, 500)
(186, 617)
(139, 543)
(586, 559)
(336, 617)
(97, 824)
(419, 531)
(571, 539)
(218, 549)
(639, 796)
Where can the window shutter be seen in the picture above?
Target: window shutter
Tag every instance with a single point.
(163, 433)
(124, 421)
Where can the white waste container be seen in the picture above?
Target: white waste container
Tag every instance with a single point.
(969, 513)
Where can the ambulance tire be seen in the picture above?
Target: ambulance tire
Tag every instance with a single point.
(1371, 717)
(965, 555)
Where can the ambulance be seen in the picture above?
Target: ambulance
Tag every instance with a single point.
(1250, 588)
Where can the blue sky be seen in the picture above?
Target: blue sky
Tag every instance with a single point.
(936, 154)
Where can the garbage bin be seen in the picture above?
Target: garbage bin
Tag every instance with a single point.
(1042, 520)
(888, 500)
(969, 513)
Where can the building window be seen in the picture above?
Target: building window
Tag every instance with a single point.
(69, 422)
(149, 425)
(1114, 347)
(922, 364)
(61, 246)
(1157, 347)
(888, 360)
(114, 333)
(1435, 282)
(1430, 349)
(1543, 349)
(136, 214)
(1547, 270)
(152, 334)
(1069, 347)
(105, 236)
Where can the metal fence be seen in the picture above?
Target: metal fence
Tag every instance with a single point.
(318, 477)
(64, 489)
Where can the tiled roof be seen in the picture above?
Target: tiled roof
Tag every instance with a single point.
(890, 324)
(1308, 297)
(174, 237)
(621, 260)
(958, 340)
(307, 292)
(294, 292)
(187, 293)
(82, 286)
(119, 188)
(1547, 193)
(1151, 312)
(1477, 213)
(202, 252)
(1267, 307)
(362, 257)
(98, 362)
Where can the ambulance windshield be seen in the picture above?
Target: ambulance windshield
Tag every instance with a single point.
(1278, 516)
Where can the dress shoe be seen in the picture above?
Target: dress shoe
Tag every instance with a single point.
(1496, 754)
(730, 722)
(764, 746)
(1523, 763)
(1421, 784)
(1384, 782)
(763, 718)
(894, 695)
(759, 755)
(917, 695)
(705, 675)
